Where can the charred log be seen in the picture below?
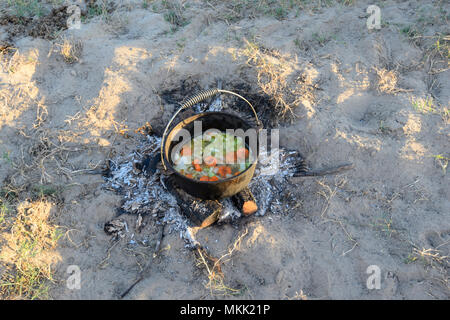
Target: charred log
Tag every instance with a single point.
(202, 213)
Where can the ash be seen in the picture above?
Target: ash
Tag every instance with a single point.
(138, 178)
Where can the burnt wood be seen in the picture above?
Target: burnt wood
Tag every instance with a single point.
(202, 213)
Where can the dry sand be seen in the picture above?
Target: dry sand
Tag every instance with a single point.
(360, 96)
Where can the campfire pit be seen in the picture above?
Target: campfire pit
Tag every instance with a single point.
(150, 190)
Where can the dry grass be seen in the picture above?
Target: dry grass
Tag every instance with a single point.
(28, 252)
(432, 256)
(435, 259)
(428, 105)
(298, 296)
(11, 59)
(437, 55)
(386, 81)
(436, 61)
(387, 71)
(328, 193)
(28, 234)
(274, 77)
(43, 157)
(424, 105)
(235, 10)
(213, 266)
(45, 153)
(70, 50)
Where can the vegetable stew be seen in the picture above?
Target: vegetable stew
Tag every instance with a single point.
(212, 156)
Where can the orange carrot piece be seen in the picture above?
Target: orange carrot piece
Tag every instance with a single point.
(213, 178)
(249, 208)
(196, 163)
(190, 176)
(230, 157)
(204, 178)
(242, 153)
(186, 151)
(224, 170)
(211, 161)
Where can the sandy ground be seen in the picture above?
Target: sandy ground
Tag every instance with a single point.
(359, 96)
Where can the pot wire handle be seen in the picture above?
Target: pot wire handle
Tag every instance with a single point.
(203, 95)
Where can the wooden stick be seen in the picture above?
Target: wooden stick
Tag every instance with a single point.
(202, 213)
(325, 171)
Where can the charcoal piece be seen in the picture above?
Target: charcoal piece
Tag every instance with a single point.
(150, 163)
(115, 227)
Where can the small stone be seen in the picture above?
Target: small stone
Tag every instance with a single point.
(280, 277)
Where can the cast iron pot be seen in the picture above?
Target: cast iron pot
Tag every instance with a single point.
(210, 190)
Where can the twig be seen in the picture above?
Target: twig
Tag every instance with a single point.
(325, 171)
(103, 264)
(142, 274)
(215, 275)
(159, 241)
(139, 279)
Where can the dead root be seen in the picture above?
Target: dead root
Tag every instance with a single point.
(213, 266)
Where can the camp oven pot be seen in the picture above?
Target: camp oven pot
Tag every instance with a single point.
(210, 190)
